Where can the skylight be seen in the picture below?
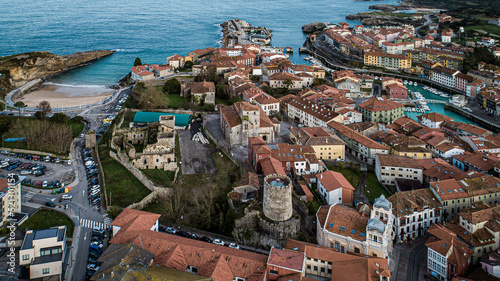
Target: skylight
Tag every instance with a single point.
(342, 228)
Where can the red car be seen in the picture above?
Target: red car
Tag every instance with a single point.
(39, 184)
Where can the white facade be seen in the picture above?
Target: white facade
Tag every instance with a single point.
(443, 78)
(429, 123)
(332, 197)
(437, 263)
(388, 175)
(448, 154)
(416, 224)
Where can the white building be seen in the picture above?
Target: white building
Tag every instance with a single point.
(433, 119)
(414, 212)
(335, 188)
(43, 251)
(388, 168)
(448, 150)
(444, 75)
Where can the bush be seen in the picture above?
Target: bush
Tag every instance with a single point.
(172, 87)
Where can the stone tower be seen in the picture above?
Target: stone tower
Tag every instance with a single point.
(277, 197)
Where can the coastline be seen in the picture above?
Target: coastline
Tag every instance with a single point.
(60, 96)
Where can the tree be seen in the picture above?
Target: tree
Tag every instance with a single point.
(38, 115)
(318, 81)
(2, 106)
(20, 105)
(137, 62)
(4, 124)
(59, 118)
(44, 108)
(172, 87)
(188, 64)
(202, 100)
(288, 83)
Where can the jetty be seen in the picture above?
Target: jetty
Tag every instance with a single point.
(237, 31)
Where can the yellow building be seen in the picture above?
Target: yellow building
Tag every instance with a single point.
(325, 143)
(381, 59)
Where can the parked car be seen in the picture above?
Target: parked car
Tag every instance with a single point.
(51, 184)
(50, 204)
(45, 184)
(28, 181)
(206, 239)
(170, 230)
(183, 233)
(93, 266)
(39, 184)
(218, 242)
(6, 152)
(58, 184)
(194, 236)
(234, 246)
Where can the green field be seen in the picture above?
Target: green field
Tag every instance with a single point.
(46, 218)
(485, 28)
(373, 188)
(159, 177)
(122, 188)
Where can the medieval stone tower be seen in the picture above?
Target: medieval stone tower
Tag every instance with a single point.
(277, 198)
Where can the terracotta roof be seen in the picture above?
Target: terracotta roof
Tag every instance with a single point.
(284, 76)
(398, 161)
(475, 216)
(465, 127)
(434, 141)
(406, 202)
(350, 133)
(314, 109)
(271, 166)
(346, 267)
(230, 115)
(131, 219)
(445, 147)
(288, 259)
(202, 87)
(316, 136)
(437, 169)
(377, 104)
(443, 240)
(345, 221)
(249, 178)
(434, 117)
(333, 180)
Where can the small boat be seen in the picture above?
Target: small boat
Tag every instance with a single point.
(415, 84)
(288, 50)
(405, 82)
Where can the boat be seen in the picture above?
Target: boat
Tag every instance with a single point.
(405, 82)
(410, 83)
(415, 84)
(288, 50)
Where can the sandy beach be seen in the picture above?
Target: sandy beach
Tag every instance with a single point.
(66, 95)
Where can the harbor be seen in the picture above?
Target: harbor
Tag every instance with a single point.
(238, 31)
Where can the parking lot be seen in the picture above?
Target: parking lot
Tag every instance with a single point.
(196, 157)
(27, 166)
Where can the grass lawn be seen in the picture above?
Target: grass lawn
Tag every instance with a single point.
(129, 117)
(159, 177)
(76, 127)
(122, 188)
(176, 101)
(46, 218)
(489, 28)
(350, 175)
(373, 188)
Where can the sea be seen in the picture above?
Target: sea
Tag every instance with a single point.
(152, 30)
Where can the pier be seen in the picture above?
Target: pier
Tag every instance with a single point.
(240, 32)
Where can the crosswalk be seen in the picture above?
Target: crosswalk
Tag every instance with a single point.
(91, 224)
(28, 195)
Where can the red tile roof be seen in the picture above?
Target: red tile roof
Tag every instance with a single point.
(131, 220)
(287, 259)
(333, 180)
(377, 104)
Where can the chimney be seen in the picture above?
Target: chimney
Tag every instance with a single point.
(321, 176)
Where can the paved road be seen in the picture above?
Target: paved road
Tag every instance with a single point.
(359, 193)
(417, 256)
(427, 22)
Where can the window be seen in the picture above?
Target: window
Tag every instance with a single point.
(45, 271)
(315, 268)
(26, 257)
(273, 272)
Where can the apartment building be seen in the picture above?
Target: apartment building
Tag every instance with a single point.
(447, 256)
(10, 201)
(380, 59)
(414, 212)
(345, 229)
(388, 168)
(433, 119)
(43, 251)
(358, 144)
(311, 114)
(458, 193)
(325, 143)
(380, 110)
(445, 76)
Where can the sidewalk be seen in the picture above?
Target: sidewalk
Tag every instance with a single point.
(399, 263)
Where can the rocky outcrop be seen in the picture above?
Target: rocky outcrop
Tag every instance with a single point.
(369, 18)
(26, 67)
(313, 27)
(383, 7)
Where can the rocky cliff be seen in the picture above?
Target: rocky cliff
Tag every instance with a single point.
(313, 27)
(18, 70)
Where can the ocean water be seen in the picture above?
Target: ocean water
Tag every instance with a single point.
(152, 30)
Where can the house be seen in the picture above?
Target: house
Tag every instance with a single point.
(192, 256)
(433, 119)
(335, 188)
(346, 230)
(246, 189)
(464, 129)
(445, 37)
(202, 90)
(176, 61)
(491, 263)
(414, 212)
(325, 143)
(285, 262)
(141, 73)
(396, 91)
(243, 120)
(388, 168)
(285, 80)
(43, 252)
(437, 169)
(447, 256)
(448, 150)
(380, 110)
(133, 219)
(494, 21)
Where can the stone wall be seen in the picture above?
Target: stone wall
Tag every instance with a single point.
(277, 199)
(26, 88)
(221, 145)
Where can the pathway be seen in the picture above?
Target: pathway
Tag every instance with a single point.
(359, 193)
(409, 260)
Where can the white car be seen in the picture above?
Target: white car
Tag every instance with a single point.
(97, 244)
(93, 266)
(25, 172)
(218, 242)
(69, 162)
(67, 197)
(45, 184)
(234, 246)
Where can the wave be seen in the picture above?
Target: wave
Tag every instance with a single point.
(76, 85)
(127, 50)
